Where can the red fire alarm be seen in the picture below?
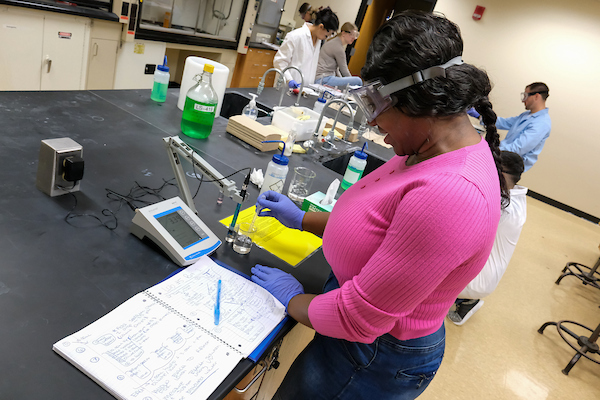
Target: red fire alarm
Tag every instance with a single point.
(478, 13)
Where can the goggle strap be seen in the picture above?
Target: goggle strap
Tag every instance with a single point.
(419, 76)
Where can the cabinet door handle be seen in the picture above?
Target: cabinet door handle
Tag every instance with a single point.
(49, 62)
(95, 49)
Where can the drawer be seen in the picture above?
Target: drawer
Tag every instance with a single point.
(260, 55)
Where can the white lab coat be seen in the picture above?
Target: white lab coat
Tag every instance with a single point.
(298, 50)
(509, 228)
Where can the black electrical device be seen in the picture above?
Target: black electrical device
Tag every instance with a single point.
(72, 169)
(149, 69)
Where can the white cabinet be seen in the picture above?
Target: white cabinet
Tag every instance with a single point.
(21, 50)
(63, 53)
(42, 51)
(103, 55)
(101, 69)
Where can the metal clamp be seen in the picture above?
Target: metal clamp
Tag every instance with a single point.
(262, 371)
(271, 363)
(176, 149)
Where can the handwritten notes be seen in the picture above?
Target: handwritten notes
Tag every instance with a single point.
(162, 343)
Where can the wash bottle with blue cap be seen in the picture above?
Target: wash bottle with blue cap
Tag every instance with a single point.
(356, 167)
(276, 172)
(161, 82)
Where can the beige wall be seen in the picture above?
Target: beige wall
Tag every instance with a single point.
(556, 42)
(290, 11)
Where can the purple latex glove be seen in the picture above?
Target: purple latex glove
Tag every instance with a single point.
(280, 284)
(280, 207)
(293, 84)
(473, 113)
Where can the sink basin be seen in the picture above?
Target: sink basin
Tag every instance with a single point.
(339, 163)
(234, 103)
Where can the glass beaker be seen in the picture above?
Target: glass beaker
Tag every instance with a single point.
(245, 235)
(301, 183)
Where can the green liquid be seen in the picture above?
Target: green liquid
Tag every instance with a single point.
(159, 92)
(197, 119)
(348, 175)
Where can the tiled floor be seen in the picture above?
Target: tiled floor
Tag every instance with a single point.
(498, 353)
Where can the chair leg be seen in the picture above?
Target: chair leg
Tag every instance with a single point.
(563, 275)
(573, 361)
(541, 330)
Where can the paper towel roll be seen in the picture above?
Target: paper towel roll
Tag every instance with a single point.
(194, 66)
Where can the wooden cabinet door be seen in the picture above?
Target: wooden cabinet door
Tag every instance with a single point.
(21, 45)
(101, 68)
(250, 68)
(63, 53)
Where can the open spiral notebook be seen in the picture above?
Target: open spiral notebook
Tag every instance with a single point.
(163, 342)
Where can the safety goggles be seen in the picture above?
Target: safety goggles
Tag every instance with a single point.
(525, 95)
(374, 97)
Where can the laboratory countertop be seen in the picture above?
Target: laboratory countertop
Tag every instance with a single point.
(58, 277)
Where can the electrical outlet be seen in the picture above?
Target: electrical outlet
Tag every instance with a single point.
(149, 69)
(53, 153)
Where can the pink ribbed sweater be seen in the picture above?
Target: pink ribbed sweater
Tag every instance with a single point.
(404, 241)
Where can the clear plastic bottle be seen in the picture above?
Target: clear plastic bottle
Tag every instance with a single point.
(355, 169)
(200, 106)
(290, 141)
(250, 110)
(276, 173)
(161, 82)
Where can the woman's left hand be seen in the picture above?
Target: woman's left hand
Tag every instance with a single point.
(281, 284)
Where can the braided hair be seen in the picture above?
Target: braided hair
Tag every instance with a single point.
(415, 40)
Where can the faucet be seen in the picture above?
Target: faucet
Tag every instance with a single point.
(329, 139)
(301, 84)
(261, 84)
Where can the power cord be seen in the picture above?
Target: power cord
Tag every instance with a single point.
(200, 177)
(106, 212)
(134, 198)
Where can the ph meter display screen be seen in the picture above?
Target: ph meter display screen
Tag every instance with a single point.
(179, 229)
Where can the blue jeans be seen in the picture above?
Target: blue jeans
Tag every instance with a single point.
(388, 368)
(339, 81)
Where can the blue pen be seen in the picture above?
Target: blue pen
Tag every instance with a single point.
(218, 304)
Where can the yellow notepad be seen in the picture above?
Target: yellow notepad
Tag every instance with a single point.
(291, 245)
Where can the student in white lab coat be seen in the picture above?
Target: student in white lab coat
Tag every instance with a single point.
(301, 47)
(509, 229)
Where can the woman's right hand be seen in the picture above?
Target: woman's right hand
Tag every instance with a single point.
(280, 207)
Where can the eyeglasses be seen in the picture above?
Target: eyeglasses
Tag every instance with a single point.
(525, 95)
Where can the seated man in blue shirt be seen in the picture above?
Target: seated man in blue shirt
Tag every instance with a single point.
(527, 132)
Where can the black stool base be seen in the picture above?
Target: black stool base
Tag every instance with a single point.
(587, 345)
(587, 275)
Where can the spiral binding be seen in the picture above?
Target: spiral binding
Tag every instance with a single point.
(174, 311)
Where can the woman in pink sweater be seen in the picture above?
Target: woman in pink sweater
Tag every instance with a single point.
(404, 240)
